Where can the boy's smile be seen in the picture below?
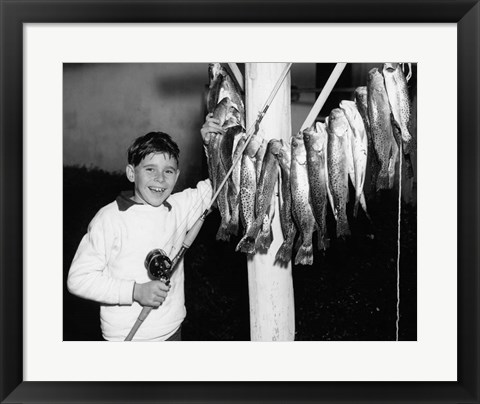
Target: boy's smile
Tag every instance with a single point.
(154, 178)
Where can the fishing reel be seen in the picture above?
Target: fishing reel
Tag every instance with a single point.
(159, 266)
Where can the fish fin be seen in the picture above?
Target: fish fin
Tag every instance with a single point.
(222, 233)
(246, 245)
(304, 255)
(233, 225)
(284, 253)
(264, 240)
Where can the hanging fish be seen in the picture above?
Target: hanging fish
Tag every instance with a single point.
(215, 73)
(315, 139)
(263, 197)
(381, 129)
(248, 185)
(337, 129)
(360, 96)
(397, 92)
(361, 101)
(259, 158)
(302, 211)
(219, 150)
(234, 193)
(284, 253)
(258, 236)
(359, 149)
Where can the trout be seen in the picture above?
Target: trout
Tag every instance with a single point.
(284, 253)
(259, 157)
(337, 130)
(359, 149)
(248, 186)
(315, 139)
(234, 195)
(219, 147)
(362, 106)
(397, 92)
(381, 129)
(361, 102)
(263, 197)
(302, 211)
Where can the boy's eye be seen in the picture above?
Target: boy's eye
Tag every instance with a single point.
(169, 171)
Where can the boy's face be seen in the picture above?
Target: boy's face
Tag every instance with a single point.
(154, 178)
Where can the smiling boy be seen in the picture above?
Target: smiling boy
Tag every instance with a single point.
(108, 266)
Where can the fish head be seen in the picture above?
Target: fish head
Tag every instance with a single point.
(214, 71)
(390, 66)
(274, 146)
(351, 112)
(374, 78)
(337, 122)
(361, 94)
(253, 146)
(298, 148)
(349, 108)
(309, 134)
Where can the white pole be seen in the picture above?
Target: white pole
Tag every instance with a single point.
(272, 311)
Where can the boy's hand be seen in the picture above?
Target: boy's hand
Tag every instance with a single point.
(211, 125)
(152, 293)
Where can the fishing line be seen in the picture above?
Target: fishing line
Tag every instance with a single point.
(398, 240)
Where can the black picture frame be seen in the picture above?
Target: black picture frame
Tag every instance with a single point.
(466, 14)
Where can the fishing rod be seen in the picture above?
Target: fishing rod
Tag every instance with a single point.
(157, 263)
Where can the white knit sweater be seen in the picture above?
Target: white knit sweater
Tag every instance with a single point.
(110, 259)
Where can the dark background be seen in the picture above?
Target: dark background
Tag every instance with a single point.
(349, 293)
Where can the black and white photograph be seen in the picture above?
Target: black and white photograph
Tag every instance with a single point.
(285, 192)
(228, 201)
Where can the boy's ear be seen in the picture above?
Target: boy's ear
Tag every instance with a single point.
(130, 171)
(177, 175)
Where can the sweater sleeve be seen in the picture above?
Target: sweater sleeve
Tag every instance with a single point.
(197, 200)
(88, 277)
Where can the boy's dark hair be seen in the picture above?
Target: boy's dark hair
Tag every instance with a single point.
(152, 142)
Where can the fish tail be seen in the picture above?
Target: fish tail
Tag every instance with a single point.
(246, 245)
(233, 226)
(343, 229)
(304, 255)
(223, 233)
(284, 253)
(264, 240)
(323, 242)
